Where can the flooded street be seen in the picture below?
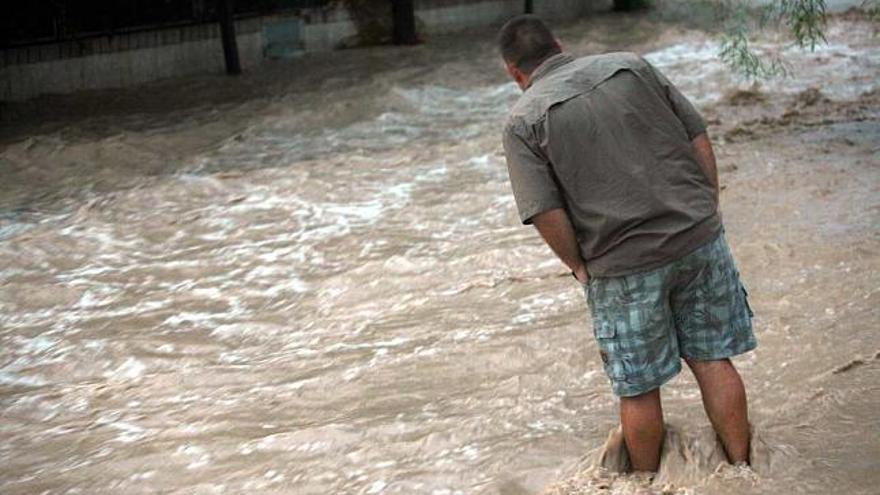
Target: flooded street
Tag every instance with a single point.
(312, 280)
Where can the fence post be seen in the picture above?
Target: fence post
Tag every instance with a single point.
(227, 34)
(404, 22)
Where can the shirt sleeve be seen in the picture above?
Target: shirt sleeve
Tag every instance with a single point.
(683, 108)
(534, 186)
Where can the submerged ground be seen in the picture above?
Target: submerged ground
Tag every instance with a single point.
(311, 279)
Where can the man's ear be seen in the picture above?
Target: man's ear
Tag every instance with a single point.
(510, 69)
(521, 78)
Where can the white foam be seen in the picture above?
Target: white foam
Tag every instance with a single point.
(377, 487)
(199, 457)
(129, 432)
(130, 369)
(15, 379)
(697, 70)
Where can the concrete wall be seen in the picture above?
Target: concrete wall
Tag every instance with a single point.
(134, 58)
(442, 16)
(122, 60)
(450, 18)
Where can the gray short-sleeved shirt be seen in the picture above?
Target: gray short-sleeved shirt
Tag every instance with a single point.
(608, 138)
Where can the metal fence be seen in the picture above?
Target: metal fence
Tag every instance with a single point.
(49, 21)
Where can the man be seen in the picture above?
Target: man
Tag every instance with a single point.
(613, 166)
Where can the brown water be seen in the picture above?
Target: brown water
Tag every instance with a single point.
(312, 280)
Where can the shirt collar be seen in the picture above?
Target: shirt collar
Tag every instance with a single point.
(548, 66)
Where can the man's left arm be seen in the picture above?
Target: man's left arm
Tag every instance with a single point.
(694, 126)
(690, 117)
(706, 159)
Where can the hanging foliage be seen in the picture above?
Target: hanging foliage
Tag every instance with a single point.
(372, 19)
(374, 23)
(804, 20)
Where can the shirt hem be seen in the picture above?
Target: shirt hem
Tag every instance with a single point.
(684, 243)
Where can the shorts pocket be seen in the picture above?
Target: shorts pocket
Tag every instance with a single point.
(613, 360)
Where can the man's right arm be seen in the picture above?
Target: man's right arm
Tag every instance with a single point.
(539, 199)
(556, 230)
(531, 177)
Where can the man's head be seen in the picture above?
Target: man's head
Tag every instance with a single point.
(525, 41)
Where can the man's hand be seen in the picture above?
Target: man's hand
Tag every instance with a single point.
(555, 227)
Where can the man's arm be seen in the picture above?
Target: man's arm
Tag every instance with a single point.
(537, 195)
(706, 159)
(694, 125)
(555, 227)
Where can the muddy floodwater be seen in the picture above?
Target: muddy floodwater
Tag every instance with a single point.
(312, 280)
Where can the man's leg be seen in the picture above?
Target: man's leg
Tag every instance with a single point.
(714, 322)
(724, 398)
(641, 417)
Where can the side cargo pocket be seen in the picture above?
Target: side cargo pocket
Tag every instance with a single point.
(605, 331)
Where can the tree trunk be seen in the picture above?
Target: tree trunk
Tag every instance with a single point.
(529, 8)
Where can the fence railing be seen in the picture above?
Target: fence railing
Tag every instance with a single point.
(50, 21)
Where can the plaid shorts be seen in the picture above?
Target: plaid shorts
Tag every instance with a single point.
(644, 323)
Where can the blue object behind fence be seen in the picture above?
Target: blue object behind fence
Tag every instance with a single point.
(283, 39)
